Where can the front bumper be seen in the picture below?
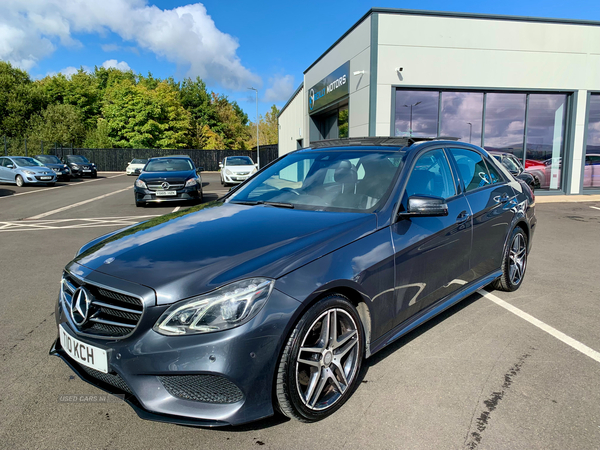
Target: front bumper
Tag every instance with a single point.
(147, 196)
(245, 356)
(78, 173)
(37, 179)
(235, 178)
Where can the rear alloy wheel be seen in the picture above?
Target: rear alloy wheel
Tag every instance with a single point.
(514, 262)
(19, 181)
(320, 364)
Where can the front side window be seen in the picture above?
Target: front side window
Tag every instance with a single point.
(472, 169)
(356, 181)
(431, 176)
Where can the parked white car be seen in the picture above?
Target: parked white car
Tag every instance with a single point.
(135, 165)
(236, 169)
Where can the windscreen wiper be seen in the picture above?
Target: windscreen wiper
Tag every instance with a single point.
(261, 202)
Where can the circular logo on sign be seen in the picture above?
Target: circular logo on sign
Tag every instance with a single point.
(80, 307)
(165, 185)
(311, 99)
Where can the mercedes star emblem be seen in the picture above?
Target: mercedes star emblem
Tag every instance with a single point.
(80, 307)
(165, 185)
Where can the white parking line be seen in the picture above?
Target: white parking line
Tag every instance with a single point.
(59, 224)
(59, 187)
(595, 207)
(74, 205)
(587, 351)
(176, 209)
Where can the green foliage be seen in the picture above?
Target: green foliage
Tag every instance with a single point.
(268, 129)
(20, 98)
(140, 117)
(99, 137)
(58, 123)
(112, 108)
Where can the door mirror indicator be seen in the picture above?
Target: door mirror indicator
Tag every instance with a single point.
(425, 206)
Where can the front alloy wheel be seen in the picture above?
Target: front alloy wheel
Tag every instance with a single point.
(320, 364)
(19, 181)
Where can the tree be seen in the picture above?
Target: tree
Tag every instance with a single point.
(268, 129)
(20, 98)
(139, 117)
(63, 124)
(99, 137)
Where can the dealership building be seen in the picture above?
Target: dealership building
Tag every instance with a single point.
(523, 85)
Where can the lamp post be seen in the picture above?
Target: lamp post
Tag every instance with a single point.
(470, 130)
(257, 144)
(411, 107)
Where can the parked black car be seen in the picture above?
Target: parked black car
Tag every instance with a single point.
(168, 178)
(514, 166)
(80, 166)
(269, 298)
(61, 170)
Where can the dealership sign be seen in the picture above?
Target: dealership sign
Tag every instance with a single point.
(330, 89)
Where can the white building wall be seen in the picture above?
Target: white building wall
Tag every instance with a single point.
(291, 124)
(356, 48)
(451, 52)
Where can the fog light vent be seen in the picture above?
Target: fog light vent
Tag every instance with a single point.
(202, 388)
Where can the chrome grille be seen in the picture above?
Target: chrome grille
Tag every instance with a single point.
(158, 187)
(110, 313)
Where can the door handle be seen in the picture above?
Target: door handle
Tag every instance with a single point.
(502, 199)
(463, 217)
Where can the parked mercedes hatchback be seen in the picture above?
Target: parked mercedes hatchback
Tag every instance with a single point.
(270, 298)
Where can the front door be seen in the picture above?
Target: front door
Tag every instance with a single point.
(431, 253)
(492, 201)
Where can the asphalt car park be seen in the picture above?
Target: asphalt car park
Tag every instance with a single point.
(480, 375)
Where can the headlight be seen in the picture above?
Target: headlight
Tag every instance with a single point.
(227, 307)
(191, 182)
(228, 172)
(254, 170)
(29, 172)
(65, 166)
(75, 166)
(139, 183)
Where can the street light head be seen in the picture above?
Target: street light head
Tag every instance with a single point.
(417, 103)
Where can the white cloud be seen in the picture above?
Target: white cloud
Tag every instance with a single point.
(112, 63)
(280, 88)
(186, 36)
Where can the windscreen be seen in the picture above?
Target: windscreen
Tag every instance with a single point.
(239, 161)
(27, 162)
(77, 159)
(327, 180)
(48, 159)
(169, 165)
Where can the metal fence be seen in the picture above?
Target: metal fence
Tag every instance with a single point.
(116, 159)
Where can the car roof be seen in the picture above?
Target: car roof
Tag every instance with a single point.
(379, 144)
(169, 157)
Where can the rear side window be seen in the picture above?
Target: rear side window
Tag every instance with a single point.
(495, 176)
(473, 169)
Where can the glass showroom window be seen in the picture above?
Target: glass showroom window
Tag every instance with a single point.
(505, 123)
(461, 116)
(591, 174)
(545, 138)
(416, 113)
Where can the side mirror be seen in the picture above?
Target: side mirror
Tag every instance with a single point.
(425, 206)
(220, 165)
(10, 166)
(256, 165)
(199, 169)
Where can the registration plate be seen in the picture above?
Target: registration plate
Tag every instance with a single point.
(86, 170)
(165, 193)
(45, 178)
(83, 353)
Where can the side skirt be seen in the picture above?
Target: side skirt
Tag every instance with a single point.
(423, 316)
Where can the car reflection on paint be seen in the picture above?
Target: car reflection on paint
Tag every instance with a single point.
(270, 298)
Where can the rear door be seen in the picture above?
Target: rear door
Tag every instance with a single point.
(491, 199)
(431, 253)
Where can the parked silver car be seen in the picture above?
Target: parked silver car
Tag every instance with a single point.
(236, 169)
(24, 170)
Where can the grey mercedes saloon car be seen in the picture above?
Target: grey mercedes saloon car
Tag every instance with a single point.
(269, 298)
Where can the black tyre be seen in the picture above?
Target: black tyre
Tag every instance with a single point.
(51, 184)
(319, 366)
(140, 204)
(19, 180)
(514, 262)
(94, 175)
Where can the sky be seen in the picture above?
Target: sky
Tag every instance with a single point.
(230, 44)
